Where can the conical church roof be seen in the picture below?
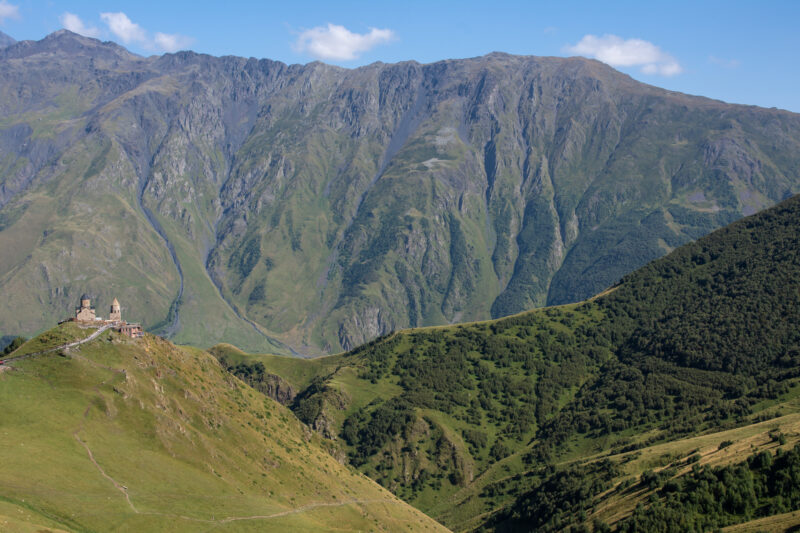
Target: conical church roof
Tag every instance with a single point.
(115, 302)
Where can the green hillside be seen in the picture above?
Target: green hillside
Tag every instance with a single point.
(475, 424)
(140, 435)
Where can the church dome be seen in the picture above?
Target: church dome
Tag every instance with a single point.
(85, 297)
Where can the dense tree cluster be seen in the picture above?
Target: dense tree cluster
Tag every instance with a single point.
(711, 498)
(560, 500)
(698, 336)
(15, 343)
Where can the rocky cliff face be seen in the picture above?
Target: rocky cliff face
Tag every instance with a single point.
(241, 200)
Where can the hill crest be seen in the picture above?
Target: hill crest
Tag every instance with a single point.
(143, 434)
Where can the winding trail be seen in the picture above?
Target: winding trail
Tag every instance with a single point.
(309, 507)
(120, 487)
(124, 490)
(61, 347)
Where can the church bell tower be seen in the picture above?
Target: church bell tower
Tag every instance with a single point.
(115, 315)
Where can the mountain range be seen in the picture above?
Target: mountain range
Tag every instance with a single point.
(311, 208)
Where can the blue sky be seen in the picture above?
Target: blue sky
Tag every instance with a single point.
(737, 51)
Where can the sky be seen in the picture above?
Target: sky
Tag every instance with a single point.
(738, 51)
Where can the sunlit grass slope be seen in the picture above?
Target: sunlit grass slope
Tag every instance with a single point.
(124, 435)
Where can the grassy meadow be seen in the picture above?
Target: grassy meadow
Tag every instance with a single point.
(127, 435)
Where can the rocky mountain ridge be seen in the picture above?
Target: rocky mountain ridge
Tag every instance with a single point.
(248, 200)
(6, 40)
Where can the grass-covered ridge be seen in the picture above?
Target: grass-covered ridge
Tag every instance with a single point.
(142, 435)
(467, 421)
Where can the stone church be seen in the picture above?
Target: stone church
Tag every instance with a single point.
(85, 314)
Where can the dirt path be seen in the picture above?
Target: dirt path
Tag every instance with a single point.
(305, 508)
(119, 486)
(309, 507)
(91, 337)
(214, 522)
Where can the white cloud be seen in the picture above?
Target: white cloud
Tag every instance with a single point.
(172, 42)
(130, 32)
(619, 52)
(338, 43)
(73, 22)
(8, 11)
(124, 28)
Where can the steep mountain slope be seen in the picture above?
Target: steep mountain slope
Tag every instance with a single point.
(501, 424)
(124, 435)
(240, 199)
(6, 40)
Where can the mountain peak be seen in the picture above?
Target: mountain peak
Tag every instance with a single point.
(66, 36)
(62, 36)
(70, 43)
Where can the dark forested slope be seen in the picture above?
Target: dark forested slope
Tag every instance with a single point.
(465, 421)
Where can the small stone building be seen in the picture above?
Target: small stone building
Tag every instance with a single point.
(85, 313)
(131, 330)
